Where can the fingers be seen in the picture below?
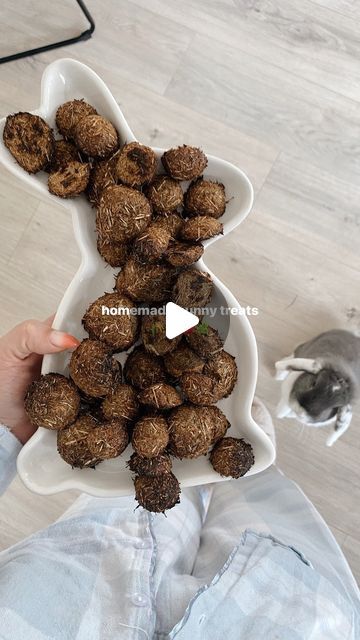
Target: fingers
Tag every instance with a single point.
(33, 336)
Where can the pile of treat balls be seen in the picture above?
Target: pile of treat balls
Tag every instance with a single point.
(163, 401)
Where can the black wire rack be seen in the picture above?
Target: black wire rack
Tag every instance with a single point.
(85, 35)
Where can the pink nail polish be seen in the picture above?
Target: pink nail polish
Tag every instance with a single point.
(63, 340)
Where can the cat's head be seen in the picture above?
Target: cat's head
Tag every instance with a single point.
(315, 398)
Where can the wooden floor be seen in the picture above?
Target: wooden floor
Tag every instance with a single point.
(273, 86)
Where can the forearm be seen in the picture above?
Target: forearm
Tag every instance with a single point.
(9, 449)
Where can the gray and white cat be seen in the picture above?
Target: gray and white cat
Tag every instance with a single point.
(321, 380)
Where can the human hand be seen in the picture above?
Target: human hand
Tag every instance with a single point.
(21, 353)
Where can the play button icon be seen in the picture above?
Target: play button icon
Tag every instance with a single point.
(178, 320)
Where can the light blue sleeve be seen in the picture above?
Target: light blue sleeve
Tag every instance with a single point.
(9, 449)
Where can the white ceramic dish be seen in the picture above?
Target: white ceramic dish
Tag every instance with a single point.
(39, 465)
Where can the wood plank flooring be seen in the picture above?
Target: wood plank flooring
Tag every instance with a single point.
(270, 85)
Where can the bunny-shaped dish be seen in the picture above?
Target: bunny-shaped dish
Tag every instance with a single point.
(39, 465)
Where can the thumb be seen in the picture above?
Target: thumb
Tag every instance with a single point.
(33, 336)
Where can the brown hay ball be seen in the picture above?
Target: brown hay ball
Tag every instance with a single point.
(170, 221)
(160, 396)
(153, 334)
(183, 254)
(69, 114)
(93, 369)
(183, 360)
(145, 282)
(29, 140)
(200, 228)
(143, 369)
(64, 153)
(96, 136)
(157, 493)
(150, 466)
(205, 344)
(72, 442)
(118, 331)
(123, 213)
(165, 194)
(232, 457)
(219, 422)
(135, 165)
(192, 289)
(222, 368)
(150, 245)
(69, 181)
(150, 436)
(121, 402)
(114, 253)
(205, 198)
(52, 402)
(102, 175)
(190, 432)
(184, 163)
(199, 389)
(108, 440)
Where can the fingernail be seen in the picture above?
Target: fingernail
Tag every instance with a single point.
(64, 340)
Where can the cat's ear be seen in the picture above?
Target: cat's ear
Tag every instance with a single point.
(343, 420)
(308, 365)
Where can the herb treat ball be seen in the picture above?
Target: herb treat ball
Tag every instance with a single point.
(222, 368)
(143, 369)
(205, 198)
(93, 369)
(146, 282)
(150, 436)
(118, 331)
(122, 403)
(72, 442)
(193, 288)
(184, 163)
(190, 432)
(160, 396)
(183, 360)
(200, 228)
(96, 136)
(108, 440)
(150, 466)
(64, 153)
(157, 493)
(135, 165)
(102, 175)
(219, 422)
(52, 402)
(183, 254)
(153, 334)
(199, 389)
(152, 243)
(114, 253)
(69, 114)
(165, 194)
(170, 221)
(123, 213)
(206, 343)
(232, 457)
(69, 181)
(29, 140)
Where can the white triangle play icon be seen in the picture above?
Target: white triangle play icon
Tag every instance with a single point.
(178, 320)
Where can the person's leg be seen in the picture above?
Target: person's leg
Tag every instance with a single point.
(172, 541)
(270, 503)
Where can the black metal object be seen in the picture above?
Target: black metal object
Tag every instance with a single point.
(85, 35)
